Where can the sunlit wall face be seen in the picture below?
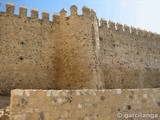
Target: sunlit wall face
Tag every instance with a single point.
(139, 13)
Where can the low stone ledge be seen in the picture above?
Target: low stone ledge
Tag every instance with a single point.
(83, 104)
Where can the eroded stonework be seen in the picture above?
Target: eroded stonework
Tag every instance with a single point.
(74, 52)
(85, 104)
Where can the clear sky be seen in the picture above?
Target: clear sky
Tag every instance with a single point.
(144, 14)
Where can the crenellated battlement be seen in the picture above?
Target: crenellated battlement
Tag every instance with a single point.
(103, 23)
(56, 18)
(73, 10)
(127, 29)
(76, 57)
(133, 30)
(61, 16)
(23, 11)
(119, 27)
(111, 25)
(86, 12)
(74, 51)
(45, 16)
(34, 14)
(63, 13)
(10, 8)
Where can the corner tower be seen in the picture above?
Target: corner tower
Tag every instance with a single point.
(78, 47)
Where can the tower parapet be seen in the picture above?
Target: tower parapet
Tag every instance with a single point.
(63, 13)
(56, 18)
(126, 28)
(34, 14)
(133, 30)
(111, 25)
(93, 14)
(73, 10)
(103, 23)
(23, 11)
(45, 16)
(10, 8)
(119, 27)
(70, 70)
(86, 11)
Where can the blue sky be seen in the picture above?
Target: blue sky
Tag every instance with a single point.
(142, 14)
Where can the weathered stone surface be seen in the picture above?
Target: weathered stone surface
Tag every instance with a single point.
(129, 60)
(73, 52)
(84, 104)
(27, 52)
(4, 107)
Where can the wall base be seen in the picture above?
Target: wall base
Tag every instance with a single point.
(85, 104)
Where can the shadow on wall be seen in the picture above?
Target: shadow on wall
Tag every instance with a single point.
(4, 107)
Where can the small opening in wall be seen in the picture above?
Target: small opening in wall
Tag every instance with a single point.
(20, 28)
(21, 58)
(158, 103)
(102, 98)
(25, 21)
(101, 39)
(51, 26)
(22, 43)
(129, 107)
(68, 23)
(67, 18)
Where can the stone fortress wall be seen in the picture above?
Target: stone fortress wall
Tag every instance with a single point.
(130, 57)
(74, 52)
(28, 53)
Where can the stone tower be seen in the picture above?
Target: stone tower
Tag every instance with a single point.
(78, 47)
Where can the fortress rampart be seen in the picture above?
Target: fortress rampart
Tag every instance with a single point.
(74, 52)
(130, 57)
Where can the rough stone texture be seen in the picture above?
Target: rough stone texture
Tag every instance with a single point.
(78, 52)
(74, 52)
(129, 60)
(83, 104)
(34, 51)
(4, 107)
(27, 48)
